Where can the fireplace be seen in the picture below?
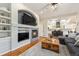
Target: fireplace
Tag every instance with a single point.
(26, 35)
(23, 36)
(34, 33)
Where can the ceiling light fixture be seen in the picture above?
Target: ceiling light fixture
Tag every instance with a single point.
(54, 5)
(51, 5)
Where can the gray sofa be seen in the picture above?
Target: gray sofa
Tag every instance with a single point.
(69, 42)
(74, 50)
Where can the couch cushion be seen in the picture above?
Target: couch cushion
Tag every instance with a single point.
(72, 35)
(70, 40)
(73, 49)
(77, 37)
(77, 43)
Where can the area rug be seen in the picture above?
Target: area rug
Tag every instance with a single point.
(36, 50)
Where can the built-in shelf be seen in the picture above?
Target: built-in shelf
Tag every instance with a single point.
(5, 27)
(26, 26)
(3, 39)
(4, 24)
(2, 31)
(5, 20)
(4, 10)
(5, 17)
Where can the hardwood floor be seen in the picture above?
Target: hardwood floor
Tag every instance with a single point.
(21, 49)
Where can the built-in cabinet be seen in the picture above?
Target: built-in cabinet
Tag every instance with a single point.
(19, 27)
(5, 22)
(5, 27)
(9, 28)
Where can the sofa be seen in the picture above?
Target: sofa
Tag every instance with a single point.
(74, 50)
(69, 42)
(57, 33)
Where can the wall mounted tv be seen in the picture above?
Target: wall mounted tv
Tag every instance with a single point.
(26, 18)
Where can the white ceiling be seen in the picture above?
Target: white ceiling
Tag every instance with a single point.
(36, 7)
(62, 9)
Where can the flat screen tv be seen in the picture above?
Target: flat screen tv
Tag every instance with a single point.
(26, 18)
(23, 36)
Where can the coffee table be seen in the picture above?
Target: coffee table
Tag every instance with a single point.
(52, 44)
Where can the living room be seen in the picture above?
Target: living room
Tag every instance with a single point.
(25, 27)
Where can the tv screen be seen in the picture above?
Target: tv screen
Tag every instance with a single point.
(26, 18)
(23, 36)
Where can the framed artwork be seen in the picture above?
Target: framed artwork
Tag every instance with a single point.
(57, 24)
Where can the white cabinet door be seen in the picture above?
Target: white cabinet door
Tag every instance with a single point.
(4, 45)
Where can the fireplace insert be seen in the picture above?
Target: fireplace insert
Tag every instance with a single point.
(23, 36)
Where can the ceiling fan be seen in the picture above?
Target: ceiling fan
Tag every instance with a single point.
(50, 5)
(53, 4)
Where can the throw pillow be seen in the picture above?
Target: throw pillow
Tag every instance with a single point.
(77, 43)
(77, 37)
